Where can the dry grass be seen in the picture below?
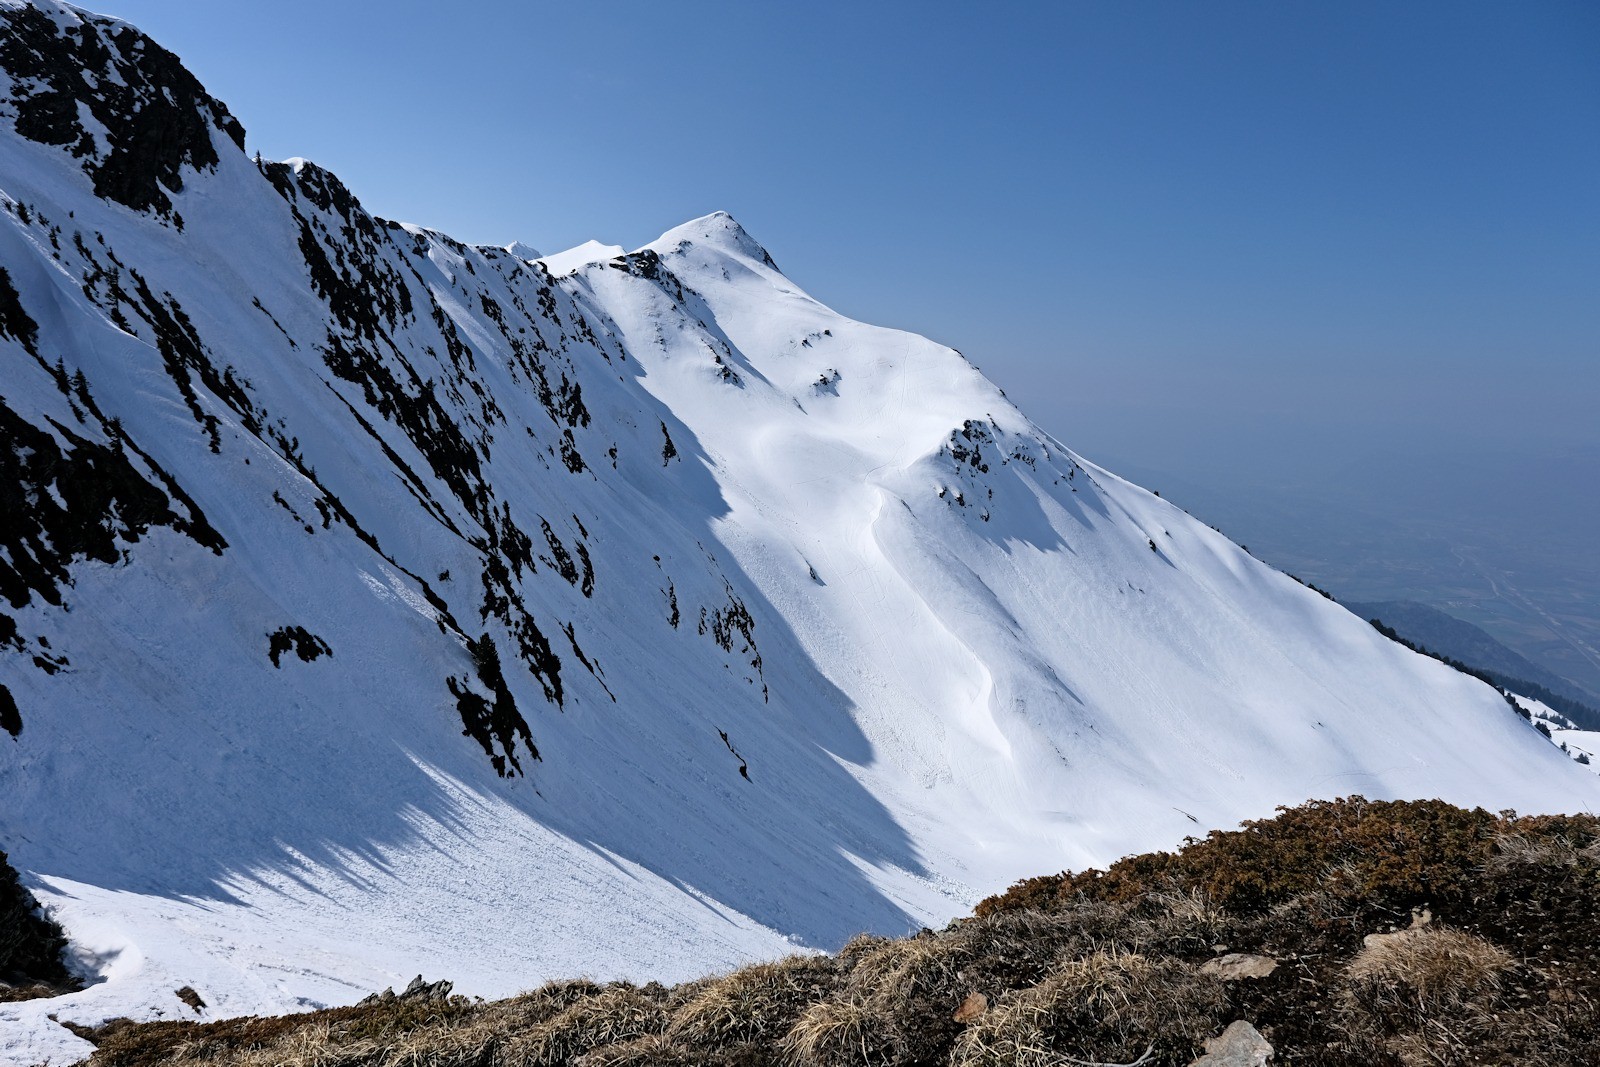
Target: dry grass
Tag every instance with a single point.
(27, 991)
(352, 1035)
(1521, 847)
(842, 1033)
(653, 1051)
(757, 1003)
(467, 1045)
(545, 1002)
(1432, 995)
(311, 1046)
(895, 974)
(548, 1022)
(857, 947)
(620, 1013)
(1189, 914)
(1108, 1006)
(1432, 966)
(918, 984)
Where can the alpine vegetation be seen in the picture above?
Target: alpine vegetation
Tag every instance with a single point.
(1400, 934)
(374, 603)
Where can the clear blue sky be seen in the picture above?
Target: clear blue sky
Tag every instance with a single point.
(1232, 240)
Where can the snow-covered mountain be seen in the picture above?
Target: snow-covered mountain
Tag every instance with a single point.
(374, 603)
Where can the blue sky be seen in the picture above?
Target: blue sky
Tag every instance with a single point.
(1233, 240)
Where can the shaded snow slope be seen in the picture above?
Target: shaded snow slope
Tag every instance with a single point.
(377, 604)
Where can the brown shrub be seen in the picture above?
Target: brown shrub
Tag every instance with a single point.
(1398, 853)
(1014, 949)
(125, 1044)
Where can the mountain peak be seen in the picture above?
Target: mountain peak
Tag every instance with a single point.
(719, 230)
(120, 104)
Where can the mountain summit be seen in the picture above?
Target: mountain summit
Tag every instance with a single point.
(377, 603)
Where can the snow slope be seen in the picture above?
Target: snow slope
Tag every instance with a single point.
(1583, 746)
(377, 604)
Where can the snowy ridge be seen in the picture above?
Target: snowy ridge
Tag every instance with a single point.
(574, 259)
(374, 603)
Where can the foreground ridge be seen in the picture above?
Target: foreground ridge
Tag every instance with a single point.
(1336, 933)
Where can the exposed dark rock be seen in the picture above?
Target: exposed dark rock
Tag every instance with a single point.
(302, 642)
(15, 323)
(32, 945)
(588, 665)
(417, 991)
(497, 727)
(62, 504)
(155, 118)
(966, 444)
(562, 562)
(10, 717)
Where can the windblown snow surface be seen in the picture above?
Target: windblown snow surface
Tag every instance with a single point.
(377, 604)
